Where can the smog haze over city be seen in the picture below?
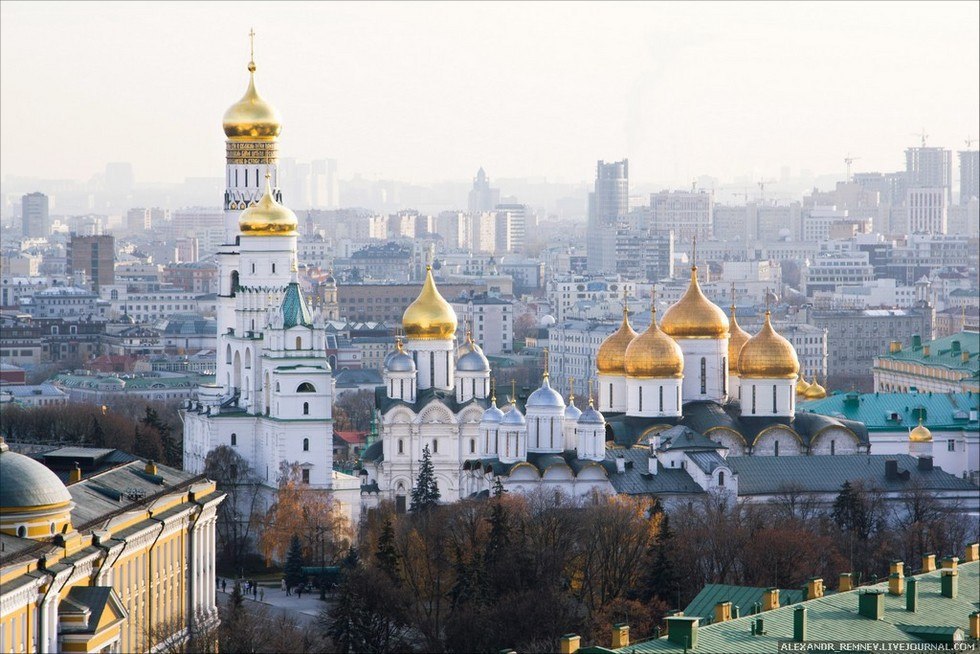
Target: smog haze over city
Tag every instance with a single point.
(427, 92)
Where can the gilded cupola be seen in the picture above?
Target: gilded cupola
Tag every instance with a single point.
(252, 118)
(654, 354)
(737, 338)
(694, 315)
(611, 359)
(429, 317)
(267, 217)
(920, 434)
(815, 391)
(767, 355)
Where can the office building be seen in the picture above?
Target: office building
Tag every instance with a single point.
(686, 213)
(927, 210)
(93, 256)
(608, 205)
(34, 215)
(930, 167)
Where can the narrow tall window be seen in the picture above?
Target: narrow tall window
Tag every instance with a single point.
(306, 408)
(661, 399)
(432, 369)
(776, 449)
(273, 269)
(435, 446)
(640, 389)
(472, 445)
(774, 398)
(306, 444)
(833, 446)
(306, 475)
(704, 375)
(724, 375)
(401, 446)
(610, 395)
(753, 400)
(721, 477)
(234, 440)
(299, 342)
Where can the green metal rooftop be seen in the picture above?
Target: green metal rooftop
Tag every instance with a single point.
(886, 412)
(945, 352)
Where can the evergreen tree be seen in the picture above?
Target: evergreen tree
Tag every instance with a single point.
(344, 622)
(662, 580)
(96, 435)
(172, 454)
(498, 487)
(293, 570)
(425, 493)
(386, 554)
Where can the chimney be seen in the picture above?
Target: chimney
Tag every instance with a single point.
(723, 612)
(972, 553)
(759, 627)
(950, 583)
(912, 594)
(975, 625)
(620, 465)
(925, 350)
(916, 341)
(814, 588)
(965, 356)
(871, 604)
(896, 583)
(925, 463)
(770, 599)
(949, 563)
(895, 346)
(799, 624)
(570, 643)
(151, 468)
(955, 346)
(845, 582)
(891, 469)
(620, 635)
(683, 631)
(75, 475)
(928, 562)
(652, 464)
(896, 566)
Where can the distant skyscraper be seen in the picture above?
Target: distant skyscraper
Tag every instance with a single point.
(608, 204)
(324, 186)
(930, 168)
(927, 211)
(34, 213)
(969, 175)
(512, 222)
(482, 197)
(95, 256)
(686, 213)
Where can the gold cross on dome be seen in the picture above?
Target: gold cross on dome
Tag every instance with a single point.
(251, 44)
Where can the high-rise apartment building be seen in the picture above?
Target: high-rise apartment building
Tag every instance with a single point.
(34, 214)
(930, 168)
(686, 213)
(95, 256)
(512, 221)
(969, 175)
(927, 210)
(608, 204)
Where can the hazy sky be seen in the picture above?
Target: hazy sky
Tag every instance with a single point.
(424, 92)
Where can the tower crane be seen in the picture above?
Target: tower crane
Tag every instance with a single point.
(922, 135)
(969, 142)
(849, 160)
(762, 188)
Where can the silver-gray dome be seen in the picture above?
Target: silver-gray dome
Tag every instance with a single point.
(513, 417)
(473, 361)
(591, 417)
(28, 483)
(492, 414)
(572, 412)
(546, 397)
(400, 362)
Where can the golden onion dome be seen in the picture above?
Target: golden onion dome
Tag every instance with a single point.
(801, 385)
(429, 317)
(920, 434)
(654, 354)
(267, 217)
(694, 315)
(611, 359)
(252, 118)
(815, 391)
(736, 339)
(767, 355)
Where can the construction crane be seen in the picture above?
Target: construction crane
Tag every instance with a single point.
(922, 135)
(762, 188)
(849, 160)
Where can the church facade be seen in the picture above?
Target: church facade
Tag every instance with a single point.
(273, 393)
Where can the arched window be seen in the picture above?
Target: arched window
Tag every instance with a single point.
(306, 408)
(277, 387)
(234, 439)
(306, 444)
(299, 342)
(721, 477)
(22, 531)
(704, 375)
(234, 282)
(306, 387)
(401, 446)
(435, 446)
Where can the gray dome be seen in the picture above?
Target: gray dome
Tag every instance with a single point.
(546, 396)
(400, 362)
(492, 414)
(591, 417)
(473, 361)
(467, 346)
(28, 483)
(513, 417)
(572, 412)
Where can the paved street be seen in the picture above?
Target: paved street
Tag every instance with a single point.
(305, 610)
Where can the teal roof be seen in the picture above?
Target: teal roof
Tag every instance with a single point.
(942, 411)
(703, 604)
(944, 352)
(835, 618)
(294, 309)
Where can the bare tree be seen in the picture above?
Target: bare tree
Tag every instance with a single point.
(238, 513)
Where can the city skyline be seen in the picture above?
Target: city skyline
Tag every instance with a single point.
(358, 108)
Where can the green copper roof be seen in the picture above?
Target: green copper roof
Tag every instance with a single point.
(743, 597)
(900, 411)
(294, 309)
(946, 352)
(835, 617)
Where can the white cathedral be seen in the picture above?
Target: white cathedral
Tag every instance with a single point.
(273, 393)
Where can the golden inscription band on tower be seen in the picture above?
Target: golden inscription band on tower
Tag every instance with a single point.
(251, 152)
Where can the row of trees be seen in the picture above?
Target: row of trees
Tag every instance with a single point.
(150, 430)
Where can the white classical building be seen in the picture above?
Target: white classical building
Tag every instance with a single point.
(273, 393)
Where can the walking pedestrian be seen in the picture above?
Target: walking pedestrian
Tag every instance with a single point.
(299, 592)
(261, 594)
(224, 585)
(282, 584)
